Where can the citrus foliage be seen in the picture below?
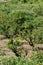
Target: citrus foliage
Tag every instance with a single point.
(25, 20)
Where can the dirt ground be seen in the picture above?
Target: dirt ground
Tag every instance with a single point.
(9, 52)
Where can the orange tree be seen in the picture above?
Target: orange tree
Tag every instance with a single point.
(28, 24)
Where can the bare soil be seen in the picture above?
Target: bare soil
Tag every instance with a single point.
(7, 51)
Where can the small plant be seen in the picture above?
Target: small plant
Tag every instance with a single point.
(2, 53)
(16, 47)
(35, 49)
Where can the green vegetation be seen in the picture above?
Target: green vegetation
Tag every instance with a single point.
(2, 53)
(36, 60)
(25, 20)
(26, 1)
(22, 19)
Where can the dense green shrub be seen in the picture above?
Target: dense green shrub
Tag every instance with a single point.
(16, 21)
(25, 20)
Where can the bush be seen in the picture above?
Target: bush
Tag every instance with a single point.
(22, 20)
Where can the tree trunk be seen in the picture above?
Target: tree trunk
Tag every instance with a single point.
(11, 41)
(31, 43)
(11, 38)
